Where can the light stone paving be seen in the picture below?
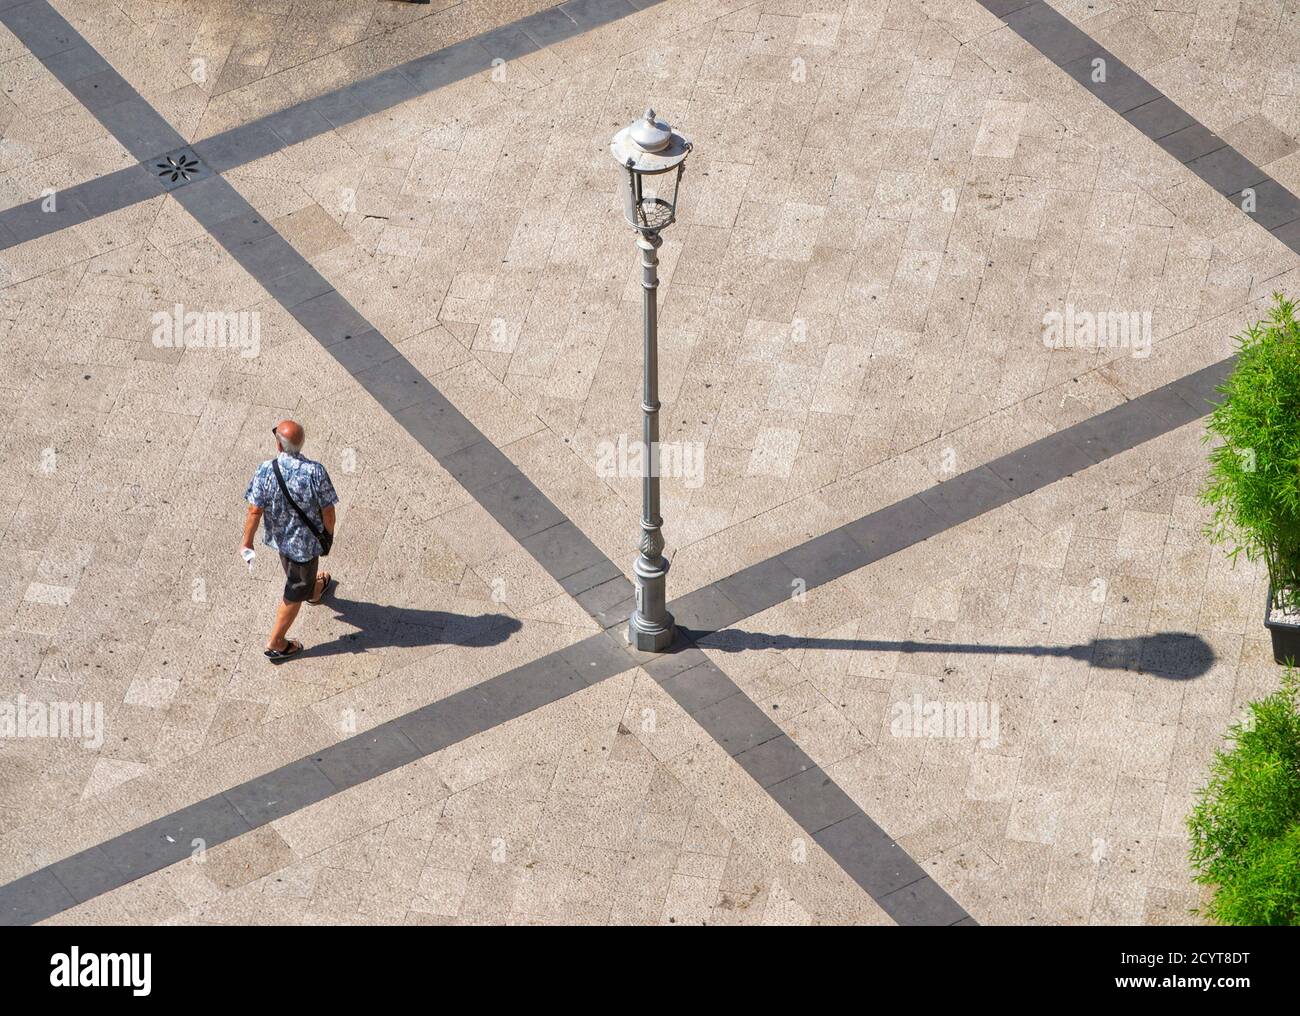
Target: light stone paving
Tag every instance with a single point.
(1075, 813)
(125, 587)
(824, 319)
(832, 336)
(612, 807)
(211, 65)
(48, 140)
(1235, 67)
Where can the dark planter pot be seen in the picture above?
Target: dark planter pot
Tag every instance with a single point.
(1286, 637)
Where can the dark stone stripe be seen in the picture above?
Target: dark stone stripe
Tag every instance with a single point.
(905, 523)
(1154, 114)
(426, 414)
(883, 870)
(259, 801)
(148, 136)
(738, 725)
(123, 112)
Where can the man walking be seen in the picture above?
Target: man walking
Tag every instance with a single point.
(296, 498)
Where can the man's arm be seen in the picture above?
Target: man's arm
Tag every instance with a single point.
(251, 521)
(327, 516)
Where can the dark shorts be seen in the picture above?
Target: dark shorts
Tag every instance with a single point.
(299, 578)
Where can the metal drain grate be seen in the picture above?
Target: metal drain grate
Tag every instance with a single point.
(178, 168)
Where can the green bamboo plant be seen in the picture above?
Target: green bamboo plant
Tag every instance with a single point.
(1254, 481)
(1245, 824)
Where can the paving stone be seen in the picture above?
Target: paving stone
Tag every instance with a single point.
(775, 761)
(696, 688)
(1041, 463)
(271, 258)
(760, 586)
(238, 146)
(598, 658)
(116, 191)
(1190, 142)
(825, 558)
(519, 506)
(1227, 171)
(330, 318)
(1051, 33)
(680, 657)
(967, 495)
(33, 898)
(564, 550)
(336, 108)
(589, 577)
(610, 602)
(870, 857)
(139, 128)
(480, 465)
(366, 351)
(387, 90)
(1288, 235)
(923, 903)
(87, 874)
(452, 64)
(1275, 206)
(437, 425)
(707, 609)
(891, 529)
(76, 63)
(548, 27)
(506, 43)
(299, 286)
(39, 28)
(447, 722)
(1002, 8)
(296, 124)
(990, 603)
(365, 756)
(280, 792)
(393, 382)
(813, 799)
(173, 838)
(588, 14)
(1160, 118)
(98, 91)
(1120, 89)
(30, 221)
(736, 723)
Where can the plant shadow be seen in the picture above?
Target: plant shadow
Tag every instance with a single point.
(1172, 655)
(379, 626)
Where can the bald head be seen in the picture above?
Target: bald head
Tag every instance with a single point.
(290, 435)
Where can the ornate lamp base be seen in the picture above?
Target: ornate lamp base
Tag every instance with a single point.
(647, 637)
(650, 628)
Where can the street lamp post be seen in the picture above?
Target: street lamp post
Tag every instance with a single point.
(650, 147)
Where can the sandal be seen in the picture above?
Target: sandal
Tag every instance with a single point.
(324, 589)
(292, 648)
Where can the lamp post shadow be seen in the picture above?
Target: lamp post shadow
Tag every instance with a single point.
(1173, 655)
(379, 626)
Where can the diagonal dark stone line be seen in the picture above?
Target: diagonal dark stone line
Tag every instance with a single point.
(866, 540)
(857, 844)
(222, 817)
(148, 136)
(1153, 113)
(426, 414)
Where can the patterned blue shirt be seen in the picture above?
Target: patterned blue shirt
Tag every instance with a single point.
(310, 486)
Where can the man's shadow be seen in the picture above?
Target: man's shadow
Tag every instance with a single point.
(382, 627)
(1176, 655)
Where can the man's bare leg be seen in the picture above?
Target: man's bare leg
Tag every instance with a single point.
(284, 617)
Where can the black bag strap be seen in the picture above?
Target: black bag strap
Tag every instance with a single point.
(275, 464)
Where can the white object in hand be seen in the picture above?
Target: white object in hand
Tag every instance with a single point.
(248, 554)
